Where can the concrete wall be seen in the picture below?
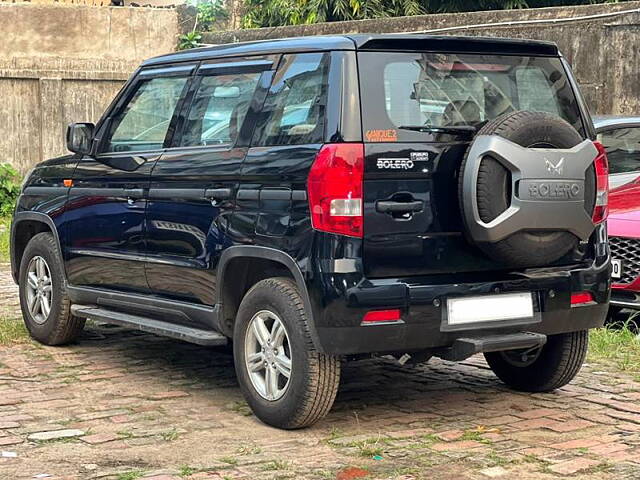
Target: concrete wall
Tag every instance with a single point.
(604, 51)
(63, 63)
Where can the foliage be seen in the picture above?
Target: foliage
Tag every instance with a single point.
(619, 345)
(12, 330)
(9, 189)
(270, 13)
(262, 13)
(5, 239)
(189, 40)
(130, 475)
(208, 13)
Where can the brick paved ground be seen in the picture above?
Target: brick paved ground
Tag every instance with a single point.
(134, 404)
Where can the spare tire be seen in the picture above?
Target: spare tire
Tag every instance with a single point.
(526, 248)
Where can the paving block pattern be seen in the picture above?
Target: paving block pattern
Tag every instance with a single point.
(121, 405)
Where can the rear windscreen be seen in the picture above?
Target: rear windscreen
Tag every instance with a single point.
(402, 92)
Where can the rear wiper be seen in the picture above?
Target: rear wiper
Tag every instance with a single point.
(453, 129)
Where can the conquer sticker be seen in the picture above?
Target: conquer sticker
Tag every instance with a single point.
(382, 135)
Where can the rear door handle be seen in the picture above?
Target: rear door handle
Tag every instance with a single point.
(217, 193)
(388, 206)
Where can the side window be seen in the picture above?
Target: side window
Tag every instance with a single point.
(295, 106)
(623, 149)
(144, 121)
(219, 108)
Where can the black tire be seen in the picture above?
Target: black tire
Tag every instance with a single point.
(314, 379)
(60, 326)
(528, 129)
(557, 363)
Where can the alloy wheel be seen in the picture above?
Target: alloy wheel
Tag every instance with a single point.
(39, 289)
(268, 355)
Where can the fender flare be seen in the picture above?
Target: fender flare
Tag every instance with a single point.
(34, 217)
(275, 256)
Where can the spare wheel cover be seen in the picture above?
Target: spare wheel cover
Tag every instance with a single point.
(493, 189)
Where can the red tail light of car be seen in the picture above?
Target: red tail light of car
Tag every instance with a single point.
(581, 298)
(335, 189)
(382, 316)
(601, 164)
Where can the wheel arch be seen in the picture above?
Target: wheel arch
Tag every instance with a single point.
(25, 226)
(251, 264)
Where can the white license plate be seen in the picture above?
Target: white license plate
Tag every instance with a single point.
(616, 270)
(489, 308)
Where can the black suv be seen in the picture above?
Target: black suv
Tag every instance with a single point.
(325, 198)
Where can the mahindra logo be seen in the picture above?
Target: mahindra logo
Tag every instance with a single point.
(557, 168)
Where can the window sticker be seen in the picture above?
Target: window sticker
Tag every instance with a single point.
(390, 135)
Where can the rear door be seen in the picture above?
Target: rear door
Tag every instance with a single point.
(272, 199)
(108, 199)
(420, 112)
(193, 187)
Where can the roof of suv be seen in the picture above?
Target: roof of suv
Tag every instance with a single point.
(408, 42)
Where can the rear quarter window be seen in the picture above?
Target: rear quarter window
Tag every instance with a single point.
(440, 90)
(294, 110)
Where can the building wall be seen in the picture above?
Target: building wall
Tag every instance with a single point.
(64, 63)
(604, 51)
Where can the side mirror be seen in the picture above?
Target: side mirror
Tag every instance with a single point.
(79, 137)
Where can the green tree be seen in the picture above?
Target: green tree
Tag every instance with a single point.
(261, 13)
(272, 13)
(442, 6)
(208, 12)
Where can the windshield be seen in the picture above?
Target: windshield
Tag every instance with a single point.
(436, 90)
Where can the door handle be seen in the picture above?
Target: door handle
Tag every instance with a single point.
(217, 193)
(388, 206)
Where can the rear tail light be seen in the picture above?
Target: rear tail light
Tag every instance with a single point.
(581, 298)
(335, 189)
(381, 316)
(601, 163)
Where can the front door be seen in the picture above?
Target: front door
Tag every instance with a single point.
(108, 199)
(193, 186)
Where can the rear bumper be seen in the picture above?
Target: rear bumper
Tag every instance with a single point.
(424, 335)
(423, 307)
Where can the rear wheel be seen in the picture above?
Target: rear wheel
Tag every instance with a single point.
(285, 380)
(543, 369)
(45, 305)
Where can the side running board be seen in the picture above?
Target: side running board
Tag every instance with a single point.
(145, 324)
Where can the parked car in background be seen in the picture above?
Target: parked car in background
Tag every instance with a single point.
(621, 139)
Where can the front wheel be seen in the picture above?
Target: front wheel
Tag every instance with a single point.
(45, 304)
(543, 369)
(285, 380)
